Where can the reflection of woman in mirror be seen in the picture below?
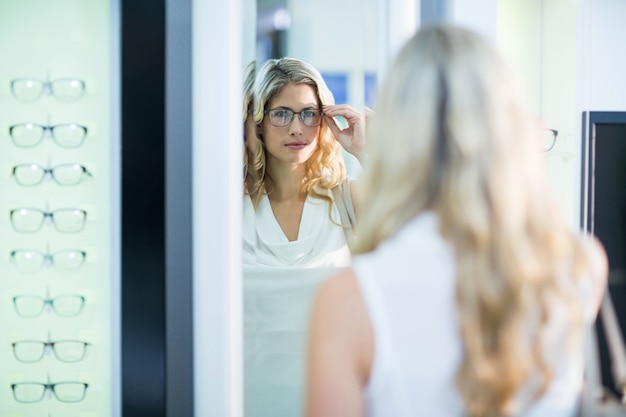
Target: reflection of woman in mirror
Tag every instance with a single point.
(468, 293)
(293, 168)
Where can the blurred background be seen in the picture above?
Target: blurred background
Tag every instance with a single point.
(162, 105)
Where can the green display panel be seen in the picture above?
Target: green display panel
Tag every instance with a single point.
(56, 228)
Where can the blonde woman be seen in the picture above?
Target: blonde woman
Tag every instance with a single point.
(468, 292)
(294, 165)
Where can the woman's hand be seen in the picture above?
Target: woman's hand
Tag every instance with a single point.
(352, 138)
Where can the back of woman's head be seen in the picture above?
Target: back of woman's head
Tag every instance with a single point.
(325, 168)
(450, 134)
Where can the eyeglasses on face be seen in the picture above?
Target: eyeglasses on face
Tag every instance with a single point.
(67, 135)
(549, 139)
(281, 117)
(31, 351)
(31, 260)
(33, 392)
(63, 174)
(30, 220)
(63, 89)
(29, 306)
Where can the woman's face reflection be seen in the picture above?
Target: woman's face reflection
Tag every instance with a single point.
(277, 296)
(295, 142)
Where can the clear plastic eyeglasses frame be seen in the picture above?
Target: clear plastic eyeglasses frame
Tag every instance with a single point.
(32, 260)
(33, 392)
(63, 89)
(281, 117)
(32, 351)
(65, 135)
(28, 175)
(550, 139)
(65, 220)
(65, 305)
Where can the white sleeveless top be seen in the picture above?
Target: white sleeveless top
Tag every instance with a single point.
(408, 285)
(279, 282)
(320, 243)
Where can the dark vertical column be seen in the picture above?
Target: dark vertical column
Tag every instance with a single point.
(178, 185)
(609, 216)
(143, 209)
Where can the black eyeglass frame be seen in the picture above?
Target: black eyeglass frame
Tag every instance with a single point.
(293, 113)
(50, 387)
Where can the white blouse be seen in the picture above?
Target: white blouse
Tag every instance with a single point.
(320, 244)
(408, 285)
(280, 280)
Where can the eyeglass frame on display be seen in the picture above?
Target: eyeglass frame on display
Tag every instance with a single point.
(47, 88)
(50, 387)
(50, 302)
(44, 130)
(555, 133)
(52, 348)
(49, 173)
(48, 215)
(48, 258)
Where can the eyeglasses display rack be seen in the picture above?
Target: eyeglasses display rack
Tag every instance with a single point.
(57, 280)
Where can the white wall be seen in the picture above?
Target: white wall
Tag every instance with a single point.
(397, 22)
(604, 59)
(479, 15)
(337, 36)
(538, 38)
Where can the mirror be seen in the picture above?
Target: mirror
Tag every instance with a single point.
(340, 40)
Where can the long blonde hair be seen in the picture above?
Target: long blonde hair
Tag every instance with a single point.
(325, 168)
(450, 135)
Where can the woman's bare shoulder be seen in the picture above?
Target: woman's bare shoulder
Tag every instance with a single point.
(341, 314)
